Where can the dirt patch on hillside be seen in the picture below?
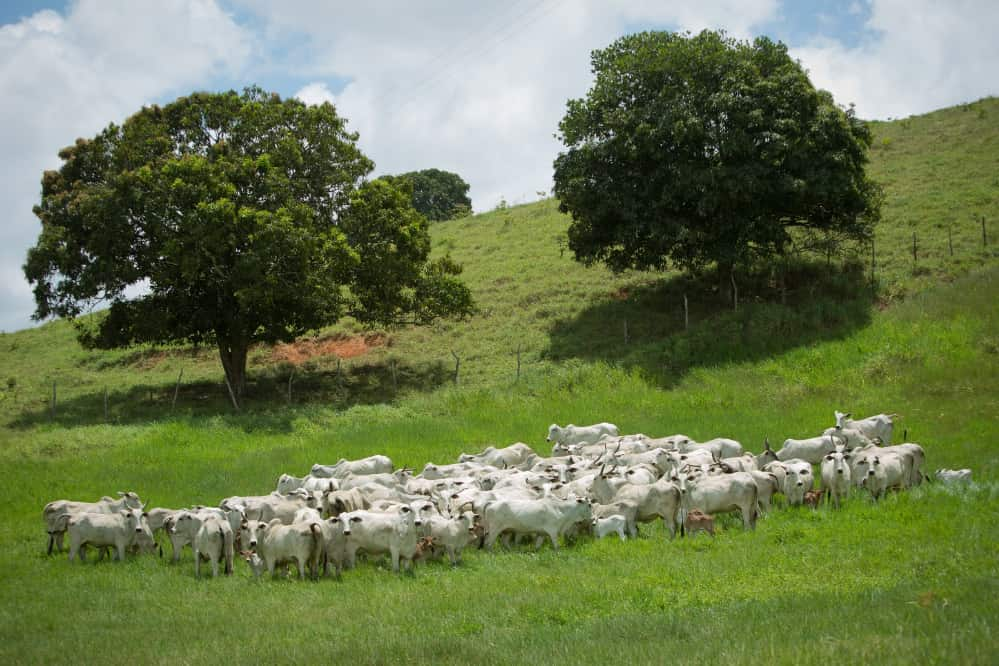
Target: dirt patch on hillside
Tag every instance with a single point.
(299, 352)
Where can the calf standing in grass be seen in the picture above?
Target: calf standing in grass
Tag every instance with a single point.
(698, 521)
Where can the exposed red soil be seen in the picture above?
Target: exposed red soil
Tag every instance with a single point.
(299, 352)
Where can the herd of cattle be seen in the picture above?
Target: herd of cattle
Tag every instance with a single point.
(595, 481)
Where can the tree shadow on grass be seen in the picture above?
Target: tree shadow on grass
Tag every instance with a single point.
(806, 302)
(266, 406)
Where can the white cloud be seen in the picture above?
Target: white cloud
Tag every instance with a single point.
(65, 76)
(315, 93)
(922, 55)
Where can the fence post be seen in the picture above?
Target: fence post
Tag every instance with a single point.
(686, 314)
(950, 240)
(625, 331)
(339, 372)
(457, 365)
(290, 377)
(874, 288)
(395, 380)
(735, 292)
(176, 390)
(518, 362)
(53, 399)
(106, 418)
(984, 239)
(914, 260)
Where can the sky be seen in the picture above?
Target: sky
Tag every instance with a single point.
(477, 88)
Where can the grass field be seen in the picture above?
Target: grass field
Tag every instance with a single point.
(914, 579)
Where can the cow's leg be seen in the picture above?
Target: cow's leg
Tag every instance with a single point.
(58, 540)
(51, 543)
(197, 563)
(490, 540)
(395, 559)
(553, 535)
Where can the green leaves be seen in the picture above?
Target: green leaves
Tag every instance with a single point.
(698, 148)
(248, 218)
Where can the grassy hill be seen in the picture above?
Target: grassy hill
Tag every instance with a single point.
(914, 578)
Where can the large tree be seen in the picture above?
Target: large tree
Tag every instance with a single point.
(242, 218)
(440, 195)
(692, 149)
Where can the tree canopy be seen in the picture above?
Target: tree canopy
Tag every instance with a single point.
(244, 218)
(440, 195)
(691, 149)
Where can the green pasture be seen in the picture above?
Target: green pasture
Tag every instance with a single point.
(913, 579)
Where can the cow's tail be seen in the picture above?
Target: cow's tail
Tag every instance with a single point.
(317, 547)
(228, 549)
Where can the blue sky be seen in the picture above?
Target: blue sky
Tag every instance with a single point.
(472, 87)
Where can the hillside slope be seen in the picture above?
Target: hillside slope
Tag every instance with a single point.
(939, 172)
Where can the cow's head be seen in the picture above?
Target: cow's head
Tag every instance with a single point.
(554, 434)
(131, 499)
(841, 419)
(251, 532)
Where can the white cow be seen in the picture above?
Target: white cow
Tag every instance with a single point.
(549, 516)
(573, 434)
(211, 537)
(614, 524)
(953, 475)
(275, 543)
(57, 513)
(879, 426)
(881, 471)
(718, 494)
(655, 500)
(510, 456)
(453, 534)
(287, 483)
(811, 450)
(836, 475)
(371, 465)
(377, 533)
(120, 530)
(799, 480)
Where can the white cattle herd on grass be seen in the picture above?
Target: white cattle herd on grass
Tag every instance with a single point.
(595, 482)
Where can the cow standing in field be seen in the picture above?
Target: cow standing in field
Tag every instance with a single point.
(120, 530)
(836, 476)
(56, 514)
(879, 426)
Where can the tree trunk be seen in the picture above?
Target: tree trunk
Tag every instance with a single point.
(725, 269)
(233, 356)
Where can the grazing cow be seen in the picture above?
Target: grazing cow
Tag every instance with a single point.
(371, 465)
(377, 533)
(573, 434)
(694, 458)
(642, 475)
(613, 524)
(953, 475)
(549, 516)
(120, 530)
(798, 481)
(879, 426)
(58, 512)
(714, 494)
(276, 543)
(698, 521)
(836, 475)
